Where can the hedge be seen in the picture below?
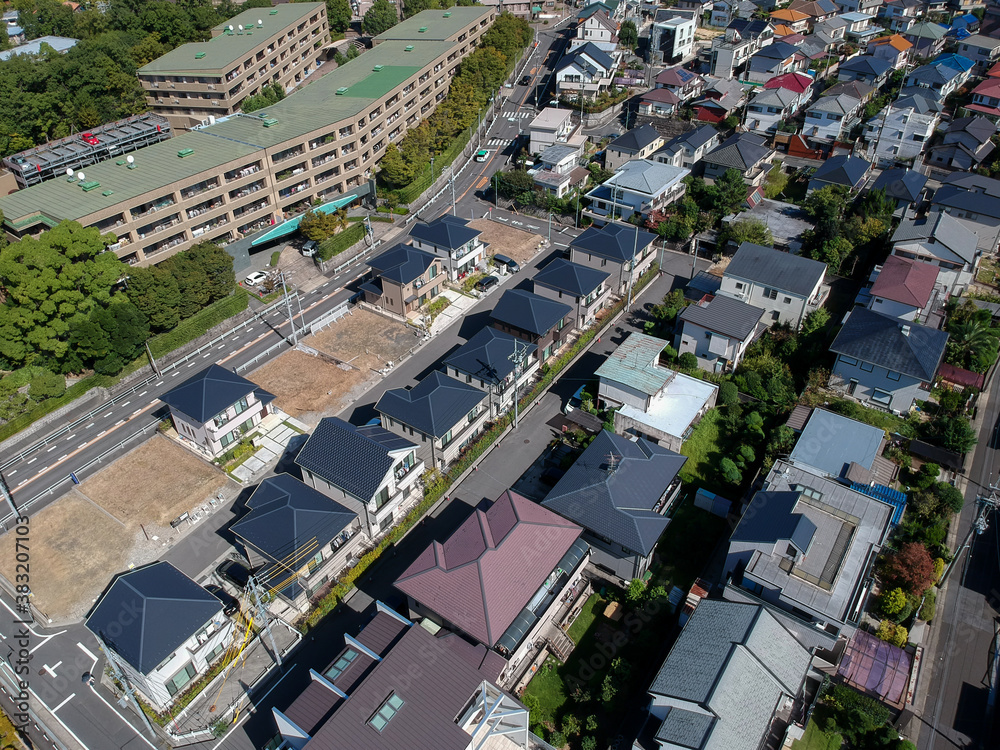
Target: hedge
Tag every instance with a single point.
(50, 405)
(436, 484)
(341, 241)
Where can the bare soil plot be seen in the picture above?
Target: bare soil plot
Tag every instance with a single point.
(514, 243)
(75, 548)
(154, 483)
(365, 340)
(307, 386)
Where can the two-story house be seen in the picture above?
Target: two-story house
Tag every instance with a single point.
(884, 361)
(871, 7)
(843, 170)
(941, 240)
(718, 331)
(926, 37)
(747, 153)
(402, 279)
(672, 41)
(905, 289)
(859, 26)
(212, 410)
(586, 72)
(732, 50)
(440, 415)
(771, 107)
(984, 51)
(831, 118)
(687, 149)
(620, 490)
(937, 79)
(903, 185)
(296, 538)
(773, 60)
(806, 545)
(161, 629)
(637, 143)
(966, 144)
(817, 10)
(795, 20)
(649, 399)
(985, 100)
(640, 187)
(623, 250)
(370, 470)
(491, 360)
(974, 201)
(720, 98)
(500, 577)
(865, 68)
(597, 28)
(552, 127)
(559, 170)
(533, 318)
(787, 287)
(903, 130)
(584, 288)
(451, 239)
(681, 82)
(902, 14)
(894, 49)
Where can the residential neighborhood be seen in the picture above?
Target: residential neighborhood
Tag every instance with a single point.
(557, 376)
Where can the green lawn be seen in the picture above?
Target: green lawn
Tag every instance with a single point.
(593, 607)
(816, 739)
(703, 452)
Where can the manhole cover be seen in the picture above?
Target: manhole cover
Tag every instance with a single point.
(526, 442)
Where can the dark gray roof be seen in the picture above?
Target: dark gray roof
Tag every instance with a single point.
(977, 126)
(588, 50)
(435, 682)
(572, 278)
(830, 443)
(919, 104)
(777, 51)
(739, 151)
(529, 312)
(447, 231)
(867, 64)
(616, 242)
(734, 660)
(402, 263)
(288, 523)
(771, 518)
(942, 229)
(784, 271)
(901, 184)
(618, 504)
(880, 340)
(433, 406)
(697, 137)
(635, 140)
(354, 459)
(210, 392)
(165, 608)
(842, 169)
(487, 355)
(725, 315)
(970, 191)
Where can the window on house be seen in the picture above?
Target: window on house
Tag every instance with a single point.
(883, 398)
(739, 286)
(770, 293)
(381, 498)
(385, 713)
(849, 361)
(867, 367)
(177, 683)
(775, 315)
(787, 300)
(807, 491)
(892, 375)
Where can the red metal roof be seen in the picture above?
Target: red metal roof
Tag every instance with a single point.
(488, 570)
(961, 377)
(909, 282)
(797, 82)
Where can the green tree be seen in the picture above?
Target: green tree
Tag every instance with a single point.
(968, 338)
(338, 15)
(729, 394)
(892, 601)
(588, 743)
(154, 291)
(688, 361)
(217, 265)
(47, 385)
(755, 423)
(732, 191)
(775, 182)
(956, 434)
(394, 170)
(636, 590)
(833, 252)
(815, 322)
(628, 35)
(730, 471)
(745, 230)
(380, 17)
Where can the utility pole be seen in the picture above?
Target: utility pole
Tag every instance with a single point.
(519, 349)
(550, 228)
(985, 504)
(288, 305)
(260, 611)
(631, 270)
(152, 362)
(453, 212)
(126, 685)
(8, 498)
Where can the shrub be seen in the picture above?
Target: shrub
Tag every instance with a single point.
(588, 743)
(892, 633)
(636, 590)
(557, 739)
(591, 724)
(688, 361)
(892, 601)
(911, 568)
(275, 258)
(570, 725)
(47, 385)
(938, 568)
(927, 608)
(608, 689)
(729, 394)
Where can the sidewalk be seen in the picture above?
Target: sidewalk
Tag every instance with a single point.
(278, 429)
(460, 304)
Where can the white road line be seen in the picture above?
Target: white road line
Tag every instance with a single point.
(102, 433)
(175, 373)
(206, 354)
(51, 670)
(88, 653)
(119, 422)
(126, 404)
(63, 456)
(160, 383)
(12, 473)
(134, 413)
(23, 481)
(52, 448)
(190, 364)
(143, 394)
(127, 722)
(32, 461)
(68, 699)
(89, 426)
(108, 414)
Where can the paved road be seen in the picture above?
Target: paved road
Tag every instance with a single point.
(955, 683)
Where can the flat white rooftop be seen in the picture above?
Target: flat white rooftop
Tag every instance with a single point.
(674, 408)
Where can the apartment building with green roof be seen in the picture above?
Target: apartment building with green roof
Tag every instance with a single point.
(244, 174)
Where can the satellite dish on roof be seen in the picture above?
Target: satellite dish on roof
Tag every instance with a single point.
(130, 158)
(230, 27)
(81, 176)
(240, 27)
(69, 171)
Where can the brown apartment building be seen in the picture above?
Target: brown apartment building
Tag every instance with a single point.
(260, 46)
(248, 173)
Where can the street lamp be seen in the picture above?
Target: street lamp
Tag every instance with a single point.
(432, 169)
(550, 228)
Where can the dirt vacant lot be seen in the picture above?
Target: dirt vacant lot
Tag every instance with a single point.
(154, 483)
(75, 548)
(506, 240)
(307, 386)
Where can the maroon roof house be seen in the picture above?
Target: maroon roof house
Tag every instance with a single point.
(495, 579)
(905, 289)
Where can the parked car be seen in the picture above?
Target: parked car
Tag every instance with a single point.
(482, 155)
(234, 572)
(257, 277)
(576, 400)
(525, 80)
(230, 604)
(309, 249)
(503, 262)
(486, 283)
(90, 138)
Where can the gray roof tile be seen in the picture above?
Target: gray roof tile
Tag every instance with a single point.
(401, 263)
(942, 228)
(447, 231)
(211, 392)
(487, 355)
(765, 265)
(771, 518)
(726, 315)
(740, 151)
(635, 140)
(616, 242)
(433, 406)
(880, 340)
(529, 312)
(848, 171)
(573, 278)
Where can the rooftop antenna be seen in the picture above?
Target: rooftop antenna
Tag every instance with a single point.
(259, 22)
(612, 462)
(130, 159)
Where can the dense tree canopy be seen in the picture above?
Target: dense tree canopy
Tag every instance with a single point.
(380, 17)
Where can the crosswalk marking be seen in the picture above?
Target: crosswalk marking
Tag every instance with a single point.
(519, 115)
(496, 141)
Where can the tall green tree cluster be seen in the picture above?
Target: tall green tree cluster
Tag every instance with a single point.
(479, 77)
(972, 343)
(47, 96)
(271, 93)
(412, 7)
(380, 17)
